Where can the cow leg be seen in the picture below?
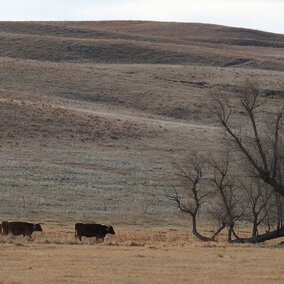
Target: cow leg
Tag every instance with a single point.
(5, 228)
(27, 233)
(99, 239)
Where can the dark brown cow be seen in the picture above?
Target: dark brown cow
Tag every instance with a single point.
(92, 230)
(20, 228)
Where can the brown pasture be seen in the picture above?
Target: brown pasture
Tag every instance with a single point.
(135, 254)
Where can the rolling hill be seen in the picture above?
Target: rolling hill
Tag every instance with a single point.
(93, 114)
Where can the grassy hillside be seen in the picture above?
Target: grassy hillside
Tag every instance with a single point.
(141, 42)
(93, 114)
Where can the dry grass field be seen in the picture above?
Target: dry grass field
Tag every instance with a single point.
(141, 255)
(92, 116)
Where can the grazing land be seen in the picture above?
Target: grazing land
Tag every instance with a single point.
(149, 255)
(92, 117)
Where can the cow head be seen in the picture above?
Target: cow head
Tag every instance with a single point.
(37, 227)
(110, 230)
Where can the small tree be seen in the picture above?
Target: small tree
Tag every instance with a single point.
(230, 209)
(259, 204)
(195, 194)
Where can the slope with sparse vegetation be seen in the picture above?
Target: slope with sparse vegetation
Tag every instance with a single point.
(94, 113)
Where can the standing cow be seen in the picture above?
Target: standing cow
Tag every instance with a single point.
(20, 228)
(92, 230)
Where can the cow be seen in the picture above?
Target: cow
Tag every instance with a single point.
(92, 230)
(20, 228)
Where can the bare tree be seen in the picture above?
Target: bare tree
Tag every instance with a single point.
(229, 208)
(259, 204)
(276, 213)
(262, 151)
(249, 188)
(260, 147)
(195, 195)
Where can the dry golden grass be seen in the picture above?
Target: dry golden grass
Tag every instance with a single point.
(140, 255)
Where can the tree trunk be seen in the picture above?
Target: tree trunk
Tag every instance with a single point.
(201, 237)
(254, 228)
(262, 238)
